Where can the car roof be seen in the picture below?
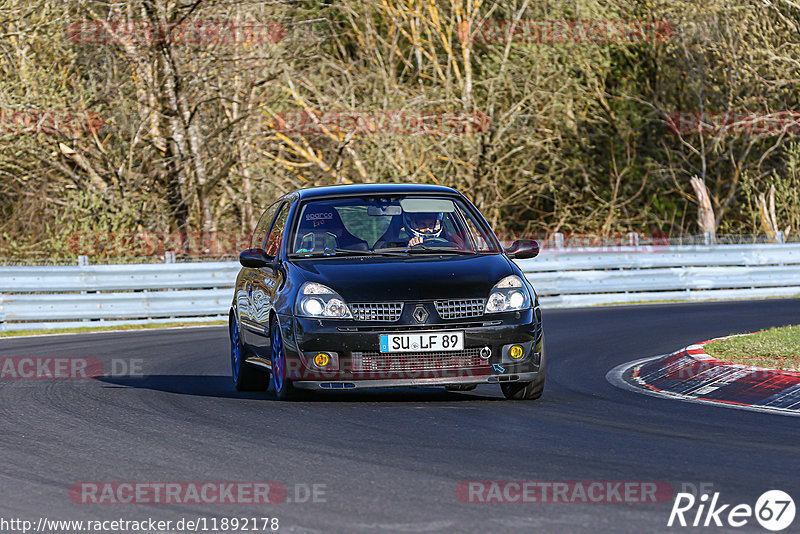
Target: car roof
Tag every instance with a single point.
(371, 189)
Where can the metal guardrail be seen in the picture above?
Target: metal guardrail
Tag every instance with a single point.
(648, 274)
(55, 297)
(52, 297)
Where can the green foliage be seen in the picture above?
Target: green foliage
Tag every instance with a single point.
(786, 181)
(776, 348)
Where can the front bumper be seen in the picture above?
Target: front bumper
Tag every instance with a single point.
(359, 364)
(415, 382)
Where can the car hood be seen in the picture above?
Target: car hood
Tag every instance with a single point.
(421, 277)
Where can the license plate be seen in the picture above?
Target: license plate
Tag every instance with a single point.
(422, 342)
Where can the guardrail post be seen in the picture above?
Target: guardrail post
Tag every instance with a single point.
(708, 238)
(780, 238)
(83, 261)
(633, 239)
(558, 240)
(169, 256)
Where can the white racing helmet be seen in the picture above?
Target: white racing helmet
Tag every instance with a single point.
(411, 221)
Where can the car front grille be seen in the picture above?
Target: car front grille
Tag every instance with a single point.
(418, 361)
(377, 311)
(460, 308)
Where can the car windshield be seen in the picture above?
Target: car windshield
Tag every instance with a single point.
(389, 225)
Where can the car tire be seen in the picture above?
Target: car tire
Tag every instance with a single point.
(527, 390)
(281, 384)
(245, 377)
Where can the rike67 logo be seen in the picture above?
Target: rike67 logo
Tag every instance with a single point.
(774, 510)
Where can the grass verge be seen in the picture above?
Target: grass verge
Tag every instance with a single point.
(776, 348)
(86, 329)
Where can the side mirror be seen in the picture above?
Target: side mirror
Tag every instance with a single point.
(522, 249)
(255, 258)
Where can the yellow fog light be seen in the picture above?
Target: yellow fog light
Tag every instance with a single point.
(322, 359)
(516, 352)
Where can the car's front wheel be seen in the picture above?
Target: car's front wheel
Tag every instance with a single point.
(284, 389)
(245, 377)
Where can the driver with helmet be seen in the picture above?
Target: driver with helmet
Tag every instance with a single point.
(421, 226)
(414, 228)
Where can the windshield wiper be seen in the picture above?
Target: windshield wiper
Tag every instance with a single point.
(441, 250)
(342, 251)
(422, 249)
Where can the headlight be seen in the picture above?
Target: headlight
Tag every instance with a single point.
(509, 294)
(317, 300)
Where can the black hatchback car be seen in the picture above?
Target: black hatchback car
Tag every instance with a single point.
(382, 285)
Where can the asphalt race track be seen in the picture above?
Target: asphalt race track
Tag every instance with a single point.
(391, 461)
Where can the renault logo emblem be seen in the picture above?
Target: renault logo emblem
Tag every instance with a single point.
(420, 315)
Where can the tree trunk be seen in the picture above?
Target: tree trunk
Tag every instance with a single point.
(705, 211)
